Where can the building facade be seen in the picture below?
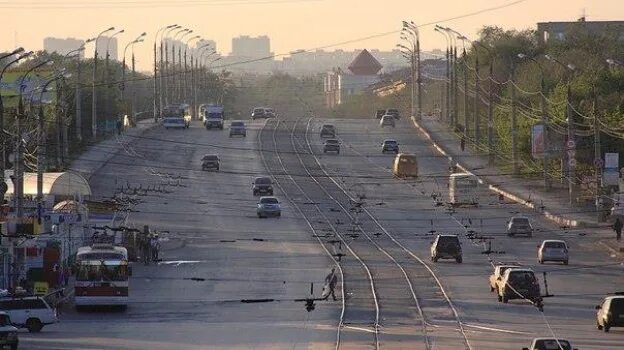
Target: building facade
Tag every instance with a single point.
(547, 31)
(363, 72)
(250, 47)
(62, 46)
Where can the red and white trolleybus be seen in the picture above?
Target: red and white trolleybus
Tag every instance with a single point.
(102, 276)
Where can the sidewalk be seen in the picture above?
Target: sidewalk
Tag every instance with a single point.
(551, 203)
(97, 155)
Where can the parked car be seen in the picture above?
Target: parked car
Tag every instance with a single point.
(331, 145)
(390, 145)
(549, 344)
(268, 206)
(262, 185)
(519, 225)
(519, 283)
(610, 313)
(238, 128)
(210, 162)
(497, 276)
(394, 112)
(553, 250)
(328, 130)
(29, 312)
(387, 120)
(446, 247)
(8, 332)
(380, 113)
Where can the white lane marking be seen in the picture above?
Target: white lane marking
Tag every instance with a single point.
(360, 329)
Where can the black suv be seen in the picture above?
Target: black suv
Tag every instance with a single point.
(446, 247)
(328, 130)
(262, 185)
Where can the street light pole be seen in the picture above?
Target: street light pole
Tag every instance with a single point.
(185, 90)
(164, 75)
(93, 87)
(123, 68)
(180, 75)
(158, 84)
(447, 113)
(172, 72)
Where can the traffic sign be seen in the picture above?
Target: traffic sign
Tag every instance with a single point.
(571, 154)
(571, 144)
(572, 162)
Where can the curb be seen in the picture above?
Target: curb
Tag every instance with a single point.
(560, 220)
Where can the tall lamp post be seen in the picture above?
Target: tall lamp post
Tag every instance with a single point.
(185, 90)
(157, 87)
(571, 145)
(172, 71)
(544, 118)
(18, 56)
(78, 93)
(448, 115)
(93, 86)
(411, 29)
(180, 75)
(164, 64)
(123, 65)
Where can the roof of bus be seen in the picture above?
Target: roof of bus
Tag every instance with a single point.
(102, 248)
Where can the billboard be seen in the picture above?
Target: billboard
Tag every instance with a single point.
(537, 141)
(31, 88)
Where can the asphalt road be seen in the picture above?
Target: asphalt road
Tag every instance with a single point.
(395, 296)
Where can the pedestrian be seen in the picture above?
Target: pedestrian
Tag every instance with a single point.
(462, 142)
(330, 281)
(155, 246)
(119, 124)
(617, 227)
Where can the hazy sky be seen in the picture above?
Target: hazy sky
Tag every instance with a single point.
(291, 24)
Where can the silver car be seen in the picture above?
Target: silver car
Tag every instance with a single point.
(387, 120)
(238, 128)
(553, 250)
(268, 206)
(519, 225)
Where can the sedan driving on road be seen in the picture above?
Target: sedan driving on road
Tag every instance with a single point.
(328, 130)
(390, 145)
(553, 250)
(549, 344)
(268, 206)
(519, 283)
(446, 247)
(387, 120)
(519, 225)
(210, 162)
(262, 185)
(497, 276)
(610, 313)
(238, 128)
(331, 145)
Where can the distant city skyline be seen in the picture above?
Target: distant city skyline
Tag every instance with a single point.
(338, 24)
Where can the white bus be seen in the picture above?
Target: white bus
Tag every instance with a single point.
(463, 189)
(177, 116)
(102, 274)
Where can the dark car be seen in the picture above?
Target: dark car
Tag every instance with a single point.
(519, 283)
(210, 162)
(258, 113)
(8, 333)
(390, 145)
(262, 185)
(328, 130)
(446, 247)
(380, 113)
(550, 344)
(331, 145)
(394, 112)
(238, 128)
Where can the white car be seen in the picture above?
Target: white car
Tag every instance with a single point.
(550, 344)
(29, 312)
(610, 313)
(499, 271)
(553, 250)
(268, 206)
(8, 333)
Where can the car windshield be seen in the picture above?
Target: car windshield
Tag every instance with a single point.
(5, 320)
(555, 245)
(552, 344)
(238, 124)
(332, 142)
(258, 111)
(328, 127)
(269, 200)
(262, 181)
(390, 142)
(210, 157)
(520, 221)
(617, 306)
(522, 278)
(448, 240)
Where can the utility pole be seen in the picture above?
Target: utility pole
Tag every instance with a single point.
(178, 84)
(40, 152)
(155, 91)
(94, 96)
(163, 75)
(490, 123)
(465, 94)
(514, 125)
(419, 81)
(58, 125)
(447, 90)
(78, 101)
(545, 135)
(134, 92)
(454, 89)
(172, 73)
(597, 153)
(19, 162)
(571, 149)
(476, 100)
(185, 83)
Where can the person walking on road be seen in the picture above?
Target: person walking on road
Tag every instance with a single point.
(617, 227)
(330, 281)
